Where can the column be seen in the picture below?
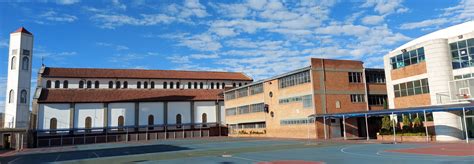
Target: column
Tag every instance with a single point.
(192, 114)
(106, 116)
(137, 106)
(72, 117)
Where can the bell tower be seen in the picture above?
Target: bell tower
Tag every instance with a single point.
(17, 103)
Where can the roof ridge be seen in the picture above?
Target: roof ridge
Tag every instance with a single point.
(140, 69)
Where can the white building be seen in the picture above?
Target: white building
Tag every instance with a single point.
(17, 104)
(423, 72)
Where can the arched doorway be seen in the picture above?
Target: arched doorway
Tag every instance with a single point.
(178, 121)
(53, 125)
(204, 120)
(120, 123)
(88, 124)
(151, 122)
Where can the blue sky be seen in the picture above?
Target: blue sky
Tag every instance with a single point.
(259, 37)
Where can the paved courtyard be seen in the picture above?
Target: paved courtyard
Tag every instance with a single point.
(249, 150)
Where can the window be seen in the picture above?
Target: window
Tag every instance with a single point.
(57, 84)
(139, 85)
(53, 124)
(230, 111)
(212, 85)
(125, 84)
(23, 97)
(408, 58)
(189, 85)
(355, 77)
(178, 121)
(411, 88)
(256, 89)
(151, 122)
(111, 84)
(171, 85)
(254, 108)
(240, 84)
(26, 52)
(117, 84)
(11, 96)
(295, 79)
(65, 84)
(25, 63)
(462, 53)
(338, 104)
(230, 95)
(152, 84)
(96, 84)
(218, 86)
(201, 85)
(242, 92)
(357, 98)
(243, 109)
(233, 85)
(223, 85)
(204, 119)
(13, 63)
(145, 84)
(48, 84)
(296, 121)
(165, 85)
(88, 124)
(195, 85)
(307, 101)
(81, 84)
(377, 99)
(178, 85)
(375, 76)
(89, 84)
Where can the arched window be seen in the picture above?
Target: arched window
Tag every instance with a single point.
(178, 85)
(245, 83)
(53, 125)
(13, 63)
(151, 122)
(139, 85)
(240, 84)
(195, 85)
(223, 85)
(96, 84)
(11, 96)
(171, 85)
(23, 96)
(178, 121)
(65, 84)
(204, 120)
(88, 124)
(233, 85)
(48, 84)
(57, 84)
(81, 84)
(218, 85)
(145, 84)
(25, 63)
(111, 84)
(152, 84)
(201, 85)
(89, 84)
(165, 85)
(125, 84)
(120, 123)
(212, 85)
(189, 85)
(117, 84)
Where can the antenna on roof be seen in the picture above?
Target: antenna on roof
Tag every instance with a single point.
(42, 61)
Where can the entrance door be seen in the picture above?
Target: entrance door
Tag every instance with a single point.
(7, 141)
(470, 126)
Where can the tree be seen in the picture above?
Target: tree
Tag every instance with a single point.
(417, 124)
(406, 123)
(386, 123)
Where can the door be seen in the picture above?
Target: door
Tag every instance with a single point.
(6, 141)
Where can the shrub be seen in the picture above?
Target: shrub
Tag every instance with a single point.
(386, 123)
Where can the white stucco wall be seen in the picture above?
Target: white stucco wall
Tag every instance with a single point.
(59, 111)
(154, 108)
(208, 107)
(182, 108)
(127, 110)
(448, 126)
(93, 110)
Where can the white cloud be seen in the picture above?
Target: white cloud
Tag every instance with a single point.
(116, 47)
(57, 17)
(462, 12)
(3, 43)
(204, 56)
(256, 4)
(67, 2)
(179, 59)
(425, 23)
(117, 4)
(112, 21)
(372, 19)
(385, 6)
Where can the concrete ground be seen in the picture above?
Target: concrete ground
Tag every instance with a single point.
(249, 150)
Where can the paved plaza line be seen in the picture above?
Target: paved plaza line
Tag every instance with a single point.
(197, 153)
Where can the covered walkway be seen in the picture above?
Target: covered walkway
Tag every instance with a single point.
(392, 112)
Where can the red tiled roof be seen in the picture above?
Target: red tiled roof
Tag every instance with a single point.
(22, 30)
(126, 95)
(142, 74)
